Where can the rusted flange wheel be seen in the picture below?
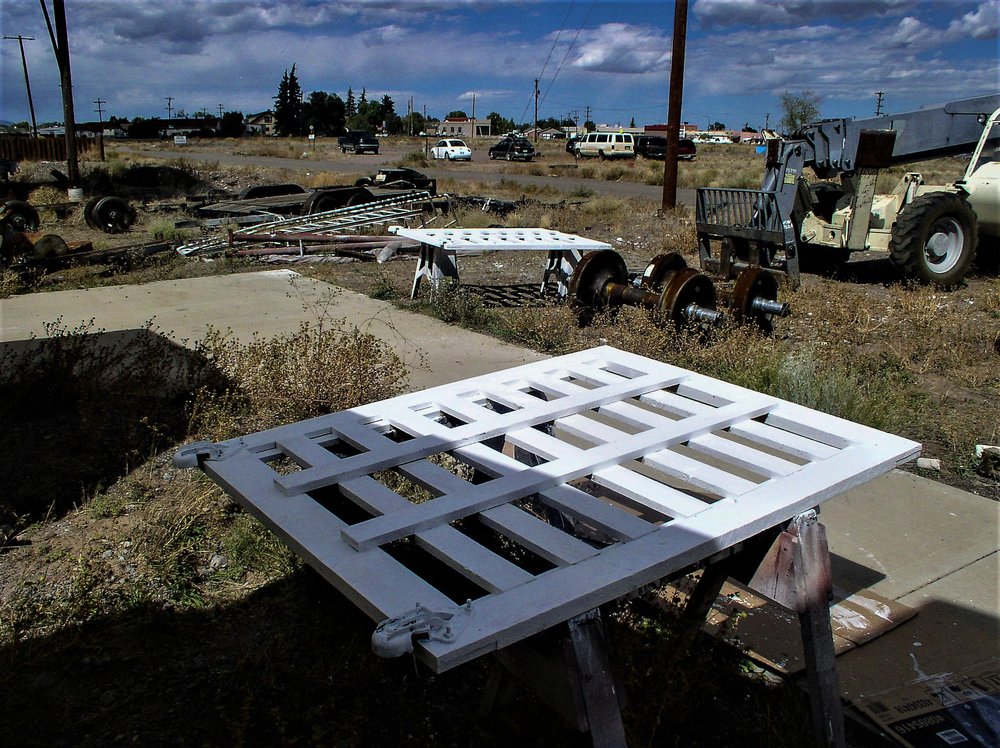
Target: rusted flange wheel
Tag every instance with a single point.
(683, 288)
(15, 244)
(19, 216)
(751, 284)
(594, 271)
(659, 268)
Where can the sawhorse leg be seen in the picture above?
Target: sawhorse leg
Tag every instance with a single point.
(561, 263)
(796, 574)
(579, 685)
(433, 263)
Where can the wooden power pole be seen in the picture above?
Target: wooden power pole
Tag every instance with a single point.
(674, 100)
(60, 45)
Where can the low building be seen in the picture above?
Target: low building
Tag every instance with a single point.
(465, 127)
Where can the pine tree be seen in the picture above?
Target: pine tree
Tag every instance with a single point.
(351, 104)
(288, 105)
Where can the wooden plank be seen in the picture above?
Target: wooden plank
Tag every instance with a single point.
(508, 488)
(698, 474)
(743, 456)
(374, 581)
(578, 504)
(440, 438)
(783, 441)
(306, 452)
(635, 486)
(450, 546)
(648, 492)
(536, 535)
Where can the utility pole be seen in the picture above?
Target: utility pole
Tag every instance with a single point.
(473, 115)
(586, 116)
(220, 111)
(878, 103)
(27, 84)
(536, 110)
(675, 97)
(767, 121)
(100, 118)
(60, 46)
(169, 107)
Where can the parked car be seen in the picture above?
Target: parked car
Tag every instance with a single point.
(686, 150)
(650, 146)
(655, 146)
(605, 145)
(452, 150)
(358, 141)
(571, 144)
(513, 149)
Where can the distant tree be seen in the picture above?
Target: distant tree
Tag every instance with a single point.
(413, 123)
(589, 126)
(142, 128)
(351, 106)
(748, 128)
(324, 113)
(632, 122)
(717, 126)
(798, 110)
(499, 124)
(232, 125)
(288, 105)
(456, 113)
(387, 116)
(363, 101)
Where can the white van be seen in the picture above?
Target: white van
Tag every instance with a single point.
(606, 145)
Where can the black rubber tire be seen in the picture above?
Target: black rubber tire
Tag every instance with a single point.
(321, 201)
(934, 238)
(19, 215)
(359, 198)
(601, 156)
(510, 156)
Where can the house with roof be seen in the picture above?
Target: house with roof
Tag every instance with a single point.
(465, 127)
(261, 123)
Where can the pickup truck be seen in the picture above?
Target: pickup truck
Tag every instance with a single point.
(358, 141)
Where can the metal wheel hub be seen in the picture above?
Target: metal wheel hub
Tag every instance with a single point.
(945, 242)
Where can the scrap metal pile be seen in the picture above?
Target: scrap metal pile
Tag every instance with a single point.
(322, 233)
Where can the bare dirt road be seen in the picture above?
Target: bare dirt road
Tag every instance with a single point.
(469, 172)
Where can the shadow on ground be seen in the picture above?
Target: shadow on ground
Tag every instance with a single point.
(82, 408)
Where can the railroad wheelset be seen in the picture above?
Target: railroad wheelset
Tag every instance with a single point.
(109, 214)
(674, 291)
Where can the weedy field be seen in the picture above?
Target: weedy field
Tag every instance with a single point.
(139, 605)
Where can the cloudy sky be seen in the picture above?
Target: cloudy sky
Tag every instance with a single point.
(613, 57)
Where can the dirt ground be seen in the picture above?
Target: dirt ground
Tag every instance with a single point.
(139, 606)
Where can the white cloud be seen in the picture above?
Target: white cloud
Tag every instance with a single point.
(982, 23)
(725, 13)
(621, 48)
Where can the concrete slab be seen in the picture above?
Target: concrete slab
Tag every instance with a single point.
(266, 303)
(901, 532)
